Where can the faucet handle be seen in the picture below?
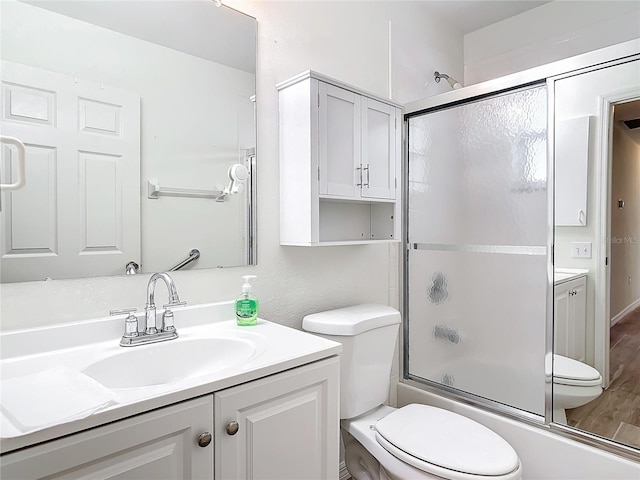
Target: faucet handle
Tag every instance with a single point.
(123, 311)
(167, 316)
(174, 305)
(131, 322)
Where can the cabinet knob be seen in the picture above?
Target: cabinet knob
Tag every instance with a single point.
(204, 439)
(232, 428)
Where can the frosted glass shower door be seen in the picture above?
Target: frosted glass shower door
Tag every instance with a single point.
(477, 257)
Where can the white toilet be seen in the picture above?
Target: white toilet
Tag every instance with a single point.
(574, 384)
(410, 443)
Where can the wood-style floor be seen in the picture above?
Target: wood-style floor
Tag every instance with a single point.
(616, 413)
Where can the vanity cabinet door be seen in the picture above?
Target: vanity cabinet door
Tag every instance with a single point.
(569, 319)
(162, 444)
(578, 315)
(285, 426)
(561, 319)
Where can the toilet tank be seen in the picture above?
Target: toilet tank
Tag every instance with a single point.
(368, 336)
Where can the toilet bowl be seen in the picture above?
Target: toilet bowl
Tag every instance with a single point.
(412, 442)
(574, 384)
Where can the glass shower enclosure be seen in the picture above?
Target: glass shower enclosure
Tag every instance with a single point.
(476, 257)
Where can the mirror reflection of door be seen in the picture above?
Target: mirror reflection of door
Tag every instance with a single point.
(113, 111)
(597, 261)
(79, 212)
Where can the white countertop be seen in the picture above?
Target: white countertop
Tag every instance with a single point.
(80, 344)
(562, 275)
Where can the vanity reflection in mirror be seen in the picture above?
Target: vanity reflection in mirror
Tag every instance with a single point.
(140, 137)
(596, 385)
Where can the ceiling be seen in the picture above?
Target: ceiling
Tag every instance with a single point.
(190, 31)
(469, 15)
(195, 27)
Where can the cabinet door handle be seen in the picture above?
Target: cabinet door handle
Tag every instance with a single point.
(232, 428)
(367, 169)
(204, 439)
(359, 173)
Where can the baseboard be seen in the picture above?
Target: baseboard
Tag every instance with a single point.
(344, 473)
(624, 312)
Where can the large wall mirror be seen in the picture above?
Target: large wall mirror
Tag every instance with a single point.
(596, 384)
(138, 120)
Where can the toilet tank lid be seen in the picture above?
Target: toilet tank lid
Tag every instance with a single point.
(351, 321)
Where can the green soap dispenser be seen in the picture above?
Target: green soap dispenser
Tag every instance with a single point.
(247, 305)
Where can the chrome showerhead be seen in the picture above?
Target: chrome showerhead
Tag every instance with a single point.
(452, 81)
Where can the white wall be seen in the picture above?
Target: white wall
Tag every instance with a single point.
(185, 139)
(625, 223)
(550, 32)
(346, 40)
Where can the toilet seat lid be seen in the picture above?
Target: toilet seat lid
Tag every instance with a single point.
(568, 371)
(427, 437)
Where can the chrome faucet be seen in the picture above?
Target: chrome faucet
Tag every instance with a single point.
(149, 333)
(150, 307)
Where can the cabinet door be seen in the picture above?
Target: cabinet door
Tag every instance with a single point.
(571, 171)
(158, 445)
(338, 141)
(561, 319)
(578, 316)
(569, 319)
(288, 426)
(378, 149)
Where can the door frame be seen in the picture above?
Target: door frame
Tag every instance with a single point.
(602, 323)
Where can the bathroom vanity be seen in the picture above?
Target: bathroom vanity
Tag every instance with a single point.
(270, 413)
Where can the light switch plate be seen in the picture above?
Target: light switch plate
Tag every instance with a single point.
(581, 249)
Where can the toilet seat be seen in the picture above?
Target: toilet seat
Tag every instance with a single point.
(444, 443)
(567, 371)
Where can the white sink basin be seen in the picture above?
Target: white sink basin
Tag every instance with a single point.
(169, 362)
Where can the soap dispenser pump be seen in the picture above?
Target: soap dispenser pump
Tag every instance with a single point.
(247, 305)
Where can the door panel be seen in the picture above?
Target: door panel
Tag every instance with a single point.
(378, 149)
(288, 426)
(80, 208)
(158, 445)
(338, 140)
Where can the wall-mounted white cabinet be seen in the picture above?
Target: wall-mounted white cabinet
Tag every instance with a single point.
(340, 164)
(569, 318)
(571, 171)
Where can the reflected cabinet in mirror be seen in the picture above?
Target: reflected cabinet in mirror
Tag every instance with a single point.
(138, 122)
(596, 368)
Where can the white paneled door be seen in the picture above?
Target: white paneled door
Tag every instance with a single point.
(79, 213)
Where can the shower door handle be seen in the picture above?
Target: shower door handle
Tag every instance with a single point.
(20, 181)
